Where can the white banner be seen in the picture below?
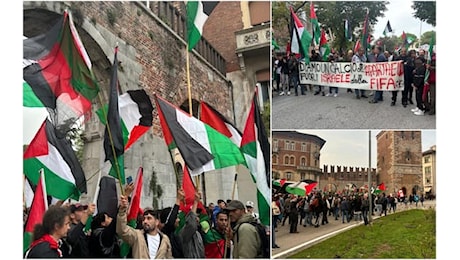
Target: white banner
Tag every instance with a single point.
(385, 76)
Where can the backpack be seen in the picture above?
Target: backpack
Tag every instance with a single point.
(264, 238)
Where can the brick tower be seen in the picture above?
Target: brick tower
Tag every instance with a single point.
(399, 161)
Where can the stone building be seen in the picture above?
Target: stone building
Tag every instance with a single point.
(399, 161)
(429, 171)
(344, 178)
(296, 156)
(152, 55)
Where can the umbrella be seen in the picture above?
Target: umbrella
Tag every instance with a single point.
(300, 188)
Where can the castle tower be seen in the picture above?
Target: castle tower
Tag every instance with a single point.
(399, 161)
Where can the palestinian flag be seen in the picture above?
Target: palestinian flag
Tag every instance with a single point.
(387, 29)
(315, 24)
(300, 38)
(216, 120)
(324, 48)
(256, 150)
(189, 190)
(347, 29)
(114, 146)
(59, 72)
(380, 188)
(33, 113)
(134, 209)
(197, 14)
(357, 46)
(202, 147)
(365, 36)
(214, 244)
(64, 176)
(37, 210)
(135, 113)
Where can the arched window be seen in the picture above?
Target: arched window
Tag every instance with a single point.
(303, 161)
(292, 160)
(286, 160)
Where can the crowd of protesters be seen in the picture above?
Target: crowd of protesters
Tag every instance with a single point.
(416, 89)
(221, 231)
(320, 208)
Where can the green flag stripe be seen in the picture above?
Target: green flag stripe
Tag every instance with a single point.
(225, 152)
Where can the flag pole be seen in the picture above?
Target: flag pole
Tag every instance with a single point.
(190, 108)
(369, 181)
(42, 179)
(117, 168)
(234, 184)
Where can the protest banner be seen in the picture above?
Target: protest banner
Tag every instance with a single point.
(385, 76)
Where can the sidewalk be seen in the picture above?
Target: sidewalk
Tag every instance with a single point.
(290, 243)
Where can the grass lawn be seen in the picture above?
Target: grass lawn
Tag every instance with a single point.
(407, 234)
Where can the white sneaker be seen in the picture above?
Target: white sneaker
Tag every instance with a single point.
(335, 95)
(419, 113)
(328, 94)
(289, 93)
(415, 109)
(282, 93)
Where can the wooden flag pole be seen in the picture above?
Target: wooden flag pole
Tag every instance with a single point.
(234, 184)
(190, 108)
(112, 146)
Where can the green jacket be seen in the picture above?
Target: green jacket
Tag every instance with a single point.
(246, 240)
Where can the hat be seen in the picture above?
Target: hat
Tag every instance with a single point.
(235, 204)
(76, 207)
(249, 204)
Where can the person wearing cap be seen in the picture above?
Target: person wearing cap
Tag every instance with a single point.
(250, 210)
(246, 240)
(149, 242)
(77, 237)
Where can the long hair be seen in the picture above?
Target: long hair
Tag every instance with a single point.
(54, 217)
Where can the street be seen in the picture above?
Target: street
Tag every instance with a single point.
(344, 112)
(290, 243)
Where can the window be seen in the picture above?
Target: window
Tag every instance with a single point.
(286, 145)
(292, 160)
(427, 159)
(303, 161)
(303, 147)
(302, 176)
(286, 160)
(413, 135)
(275, 159)
(428, 170)
(275, 144)
(402, 134)
(292, 146)
(288, 176)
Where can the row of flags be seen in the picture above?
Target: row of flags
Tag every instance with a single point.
(58, 77)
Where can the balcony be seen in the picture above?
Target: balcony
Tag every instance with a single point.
(253, 38)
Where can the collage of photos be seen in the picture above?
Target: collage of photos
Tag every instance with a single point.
(229, 129)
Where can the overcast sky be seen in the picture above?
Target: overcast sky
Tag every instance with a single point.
(400, 15)
(351, 147)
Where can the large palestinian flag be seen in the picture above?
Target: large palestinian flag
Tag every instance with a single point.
(53, 153)
(58, 70)
(256, 150)
(197, 14)
(202, 147)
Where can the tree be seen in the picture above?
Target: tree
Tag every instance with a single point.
(331, 15)
(390, 43)
(426, 37)
(266, 117)
(425, 11)
(156, 189)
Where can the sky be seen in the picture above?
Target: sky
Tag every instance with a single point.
(400, 15)
(351, 147)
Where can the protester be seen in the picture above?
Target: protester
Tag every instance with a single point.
(217, 242)
(247, 243)
(147, 243)
(169, 222)
(293, 65)
(419, 78)
(377, 56)
(218, 208)
(191, 234)
(77, 237)
(47, 235)
(250, 210)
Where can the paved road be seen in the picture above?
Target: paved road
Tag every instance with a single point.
(344, 112)
(290, 243)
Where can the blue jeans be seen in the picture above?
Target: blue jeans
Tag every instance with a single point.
(345, 215)
(378, 95)
(358, 91)
(365, 213)
(336, 90)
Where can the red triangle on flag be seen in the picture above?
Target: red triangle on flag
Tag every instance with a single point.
(189, 190)
(38, 207)
(136, 198)
(282, 182)
(39, 144)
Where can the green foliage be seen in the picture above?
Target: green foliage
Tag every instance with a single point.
(155, 189)
(426, 37)
(331, 15)
(425, 11)
(111, 17)
(75, 135)
(390, 43)
(408, 234)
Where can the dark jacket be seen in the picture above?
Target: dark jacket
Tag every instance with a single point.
(169, 230)
(78, 240)
(103, 242)
(42, 250)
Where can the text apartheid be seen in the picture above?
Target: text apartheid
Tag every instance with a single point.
(386, 76)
